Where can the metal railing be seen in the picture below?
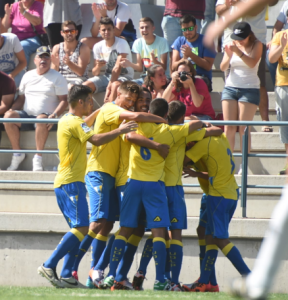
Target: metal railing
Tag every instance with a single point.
(244, 186)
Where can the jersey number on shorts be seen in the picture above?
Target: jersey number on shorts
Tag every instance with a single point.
(145, 152)
(231, 160)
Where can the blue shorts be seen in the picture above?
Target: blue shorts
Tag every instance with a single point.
(103, 198)
(177, 207)
(73, 204)
(219, 212)
(151, 196)
(203, 212)
(242, 95)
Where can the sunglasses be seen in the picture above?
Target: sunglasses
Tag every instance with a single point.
(188, 28)
(73, 31)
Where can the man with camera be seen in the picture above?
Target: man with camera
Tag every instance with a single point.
(190, 46)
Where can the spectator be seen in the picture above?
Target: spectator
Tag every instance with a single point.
(12, 57)
(2, 12)
(209, 14)
(71, 58)
(278, 52)
(241, 94)
(192, 91)
(256, 19)
(119, 12)
(150, 49)
(20, 16)
(7, 93)
(43, 92)
(55, 13)
(156, 81)
(108, 54)
(176, 9)
(190, 46)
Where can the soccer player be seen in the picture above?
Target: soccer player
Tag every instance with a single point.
(72, 135)
(103, 165)
(221, 204)
(146, 189)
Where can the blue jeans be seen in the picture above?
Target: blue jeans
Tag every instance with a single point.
(30, 46)
(272, 67)
(172, 29)
(18, 77)
(209, 14)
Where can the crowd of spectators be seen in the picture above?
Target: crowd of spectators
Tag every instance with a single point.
(176, 66)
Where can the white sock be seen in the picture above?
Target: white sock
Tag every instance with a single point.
(272, 250)
(38, 156)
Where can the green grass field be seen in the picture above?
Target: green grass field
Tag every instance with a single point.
(29, 293)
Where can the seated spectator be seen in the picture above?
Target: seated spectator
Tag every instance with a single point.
(12, 57)
(2, 12)
(55, 13)
(193, 92)
(119, 12)
(108, 54)
(20, 16)
(71, 58)
(156, 81)
(7, 93)
(190, 46)
(43, 93)
(241, 94)
(150, 49)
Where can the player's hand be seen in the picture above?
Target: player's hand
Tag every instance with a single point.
(128, 127)
(187, 172)
(96, 11)
(163, 150)
(284, 39)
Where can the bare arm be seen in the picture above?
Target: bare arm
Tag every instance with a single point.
(213, 131)
(119, 28)
(127, 63)
(167, 94)
(21, 65)
(98, 65)
(18, 103)
(62, 105)
(221, 9)
(6, 103)
(117, 68)
(162, 62)
(175, 59)
(89, 120)
(276, 50)
(55, 58)
(140, 117)
(277, 27)
(6, 21)
(196, 98)
(34, 20)
(195, 125)
(191, 173)
(226, 59)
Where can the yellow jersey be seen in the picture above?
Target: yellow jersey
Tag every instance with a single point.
(72, 134)
(105, 158)
(218, 157)
(200, 166)
(174, 161)
(146, 164)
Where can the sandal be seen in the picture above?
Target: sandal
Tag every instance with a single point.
(267, 129)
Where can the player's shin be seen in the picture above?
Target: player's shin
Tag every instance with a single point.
(159, 254)
(176, 257)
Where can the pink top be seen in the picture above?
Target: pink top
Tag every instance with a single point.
(21, 26)
(185, 96)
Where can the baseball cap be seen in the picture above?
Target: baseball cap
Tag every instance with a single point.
(43, 49)
(241, 31)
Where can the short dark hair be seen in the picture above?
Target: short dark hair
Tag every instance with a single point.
(78, 92)
(159, 107)
(106, 21)
(187, 19)
(67, 23)
(147, 19)
(130, 86)
(177, 109)
(144, 89)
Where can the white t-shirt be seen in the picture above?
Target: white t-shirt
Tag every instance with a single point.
(282, 15)
(110, 54)
(257, 23)
(123, 13)
(41, 91)
(8, 59)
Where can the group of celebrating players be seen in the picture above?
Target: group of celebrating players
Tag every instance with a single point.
(133, 174)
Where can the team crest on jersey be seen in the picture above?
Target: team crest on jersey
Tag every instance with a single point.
(85, 127)
(174, 220)
(157, 219)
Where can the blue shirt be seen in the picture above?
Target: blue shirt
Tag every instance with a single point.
(197, 48)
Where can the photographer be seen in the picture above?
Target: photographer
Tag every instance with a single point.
(193, 92)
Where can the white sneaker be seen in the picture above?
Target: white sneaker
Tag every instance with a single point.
(16, 161)
(72, 283)
(51, 275)
(37, 164)
(97, 277)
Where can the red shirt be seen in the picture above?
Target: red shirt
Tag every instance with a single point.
(185, 96)
(179, 8)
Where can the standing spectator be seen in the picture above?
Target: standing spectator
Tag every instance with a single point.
(55, 13)
(119, 12)
(43, 92)
(150, 49)
(108, 54)
(20, 16)
(241, 94)
(12, 57)
(209, 14)
(176, 9)
(190, 46)
(191, 91)
(71, 58)
(7, 93)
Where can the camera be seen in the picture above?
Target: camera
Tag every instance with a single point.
(183, 76)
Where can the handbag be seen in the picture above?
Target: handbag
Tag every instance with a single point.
(43, 37)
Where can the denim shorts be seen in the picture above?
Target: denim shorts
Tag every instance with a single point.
(241, 95)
